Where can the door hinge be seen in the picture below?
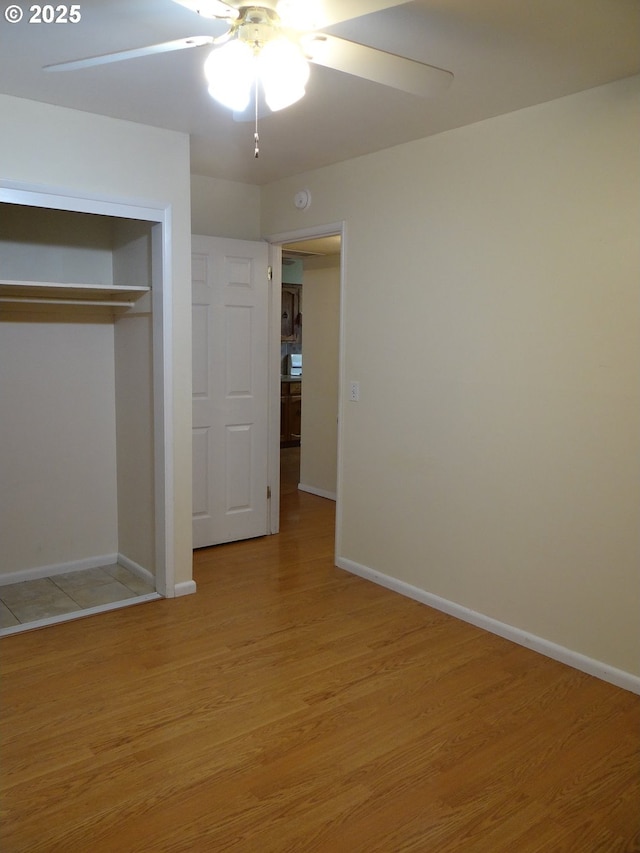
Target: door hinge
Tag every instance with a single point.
(269, 273)
(268, 493)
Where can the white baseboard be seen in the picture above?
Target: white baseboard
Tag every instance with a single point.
(603, 671)
(136, 569)
(184, 588)
(319, 492)
(58, 569)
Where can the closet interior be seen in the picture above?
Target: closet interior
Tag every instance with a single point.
(78, 461)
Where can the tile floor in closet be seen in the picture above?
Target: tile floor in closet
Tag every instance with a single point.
(59, 596)
(65, 596)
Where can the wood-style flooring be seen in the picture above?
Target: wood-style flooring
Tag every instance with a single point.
(290, 707)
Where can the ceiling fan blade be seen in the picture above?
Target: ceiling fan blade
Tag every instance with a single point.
(398, 72)
(317, 14)
(105, 58)
(210, 8)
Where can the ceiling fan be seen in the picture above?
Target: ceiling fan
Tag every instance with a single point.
(257, 25)
(269, 44)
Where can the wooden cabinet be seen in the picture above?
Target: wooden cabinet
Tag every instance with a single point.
(291, 314)
(290, 413)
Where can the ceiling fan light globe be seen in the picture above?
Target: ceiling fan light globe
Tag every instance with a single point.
(230, 73)
(277, 99)
(301, 14)
(284, 72)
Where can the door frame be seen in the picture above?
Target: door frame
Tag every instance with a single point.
(275, 261)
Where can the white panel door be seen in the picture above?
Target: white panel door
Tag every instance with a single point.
(230, 293)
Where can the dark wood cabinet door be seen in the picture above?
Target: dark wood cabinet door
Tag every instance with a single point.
(290, 313)
(290, 413)
(284, 419)
(295, 418)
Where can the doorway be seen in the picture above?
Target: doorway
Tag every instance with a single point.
(272, 366)
(313, 465)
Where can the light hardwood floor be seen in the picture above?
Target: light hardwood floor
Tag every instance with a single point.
(289, 706)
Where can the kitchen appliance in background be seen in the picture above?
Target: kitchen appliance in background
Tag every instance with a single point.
(295, 364)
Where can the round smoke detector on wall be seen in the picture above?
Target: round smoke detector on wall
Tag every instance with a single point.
(302, 199)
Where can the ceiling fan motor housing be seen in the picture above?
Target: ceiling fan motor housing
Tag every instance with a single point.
(257, 26)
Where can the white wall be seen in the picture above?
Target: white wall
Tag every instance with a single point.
(57, 426)
(491, 317)
(320, 349)
(133, 356)
(97, 156)
(35, 245)
(225, 208)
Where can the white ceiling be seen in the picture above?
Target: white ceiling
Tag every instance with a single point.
(505, 55)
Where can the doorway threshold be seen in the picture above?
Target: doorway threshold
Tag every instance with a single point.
(78, 614)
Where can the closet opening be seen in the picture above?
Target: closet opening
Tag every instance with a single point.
(83, 461)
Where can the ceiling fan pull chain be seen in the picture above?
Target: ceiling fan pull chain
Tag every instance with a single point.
(256, 138)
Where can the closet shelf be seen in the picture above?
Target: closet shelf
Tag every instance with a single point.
(69, 293)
